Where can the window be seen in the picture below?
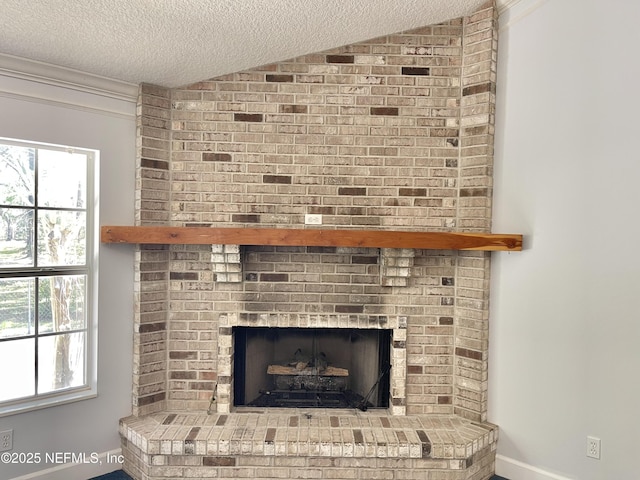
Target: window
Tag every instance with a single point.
(47, 269)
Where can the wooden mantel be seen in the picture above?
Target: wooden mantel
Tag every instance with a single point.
(312, 237)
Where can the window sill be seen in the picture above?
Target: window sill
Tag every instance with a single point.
(45, 401)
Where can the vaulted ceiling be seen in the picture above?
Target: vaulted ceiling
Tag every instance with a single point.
(177, 42)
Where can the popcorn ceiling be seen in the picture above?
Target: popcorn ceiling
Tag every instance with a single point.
(177, 43)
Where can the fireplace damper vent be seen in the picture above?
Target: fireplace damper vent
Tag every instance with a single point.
(311, 367)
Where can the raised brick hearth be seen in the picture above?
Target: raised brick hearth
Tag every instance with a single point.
(393, 134)
(307, 444)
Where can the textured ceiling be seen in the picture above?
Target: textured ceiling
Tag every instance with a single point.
(177, 42)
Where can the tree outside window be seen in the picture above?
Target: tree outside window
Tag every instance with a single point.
(46, 264)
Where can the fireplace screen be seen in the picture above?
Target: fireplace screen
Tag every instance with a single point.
(311, 367)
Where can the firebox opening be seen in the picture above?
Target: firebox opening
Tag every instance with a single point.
(311, 367)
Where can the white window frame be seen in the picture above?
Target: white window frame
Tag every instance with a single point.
(89, 388)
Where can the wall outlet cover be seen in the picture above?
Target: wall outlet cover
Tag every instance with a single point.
(6, 440)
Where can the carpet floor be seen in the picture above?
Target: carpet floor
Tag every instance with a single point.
(120, 475)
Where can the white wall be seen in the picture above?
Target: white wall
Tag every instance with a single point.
(32, 110)
(565, 320)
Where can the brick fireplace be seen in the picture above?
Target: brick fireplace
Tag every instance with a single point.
(395, 133)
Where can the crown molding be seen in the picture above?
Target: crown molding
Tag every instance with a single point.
(57, 76)
(504, 5)
(514, 15)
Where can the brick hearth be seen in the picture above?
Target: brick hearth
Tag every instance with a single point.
(308, 443)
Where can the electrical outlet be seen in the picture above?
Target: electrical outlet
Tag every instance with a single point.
(593, 447)
(313, 219)
(6, 440)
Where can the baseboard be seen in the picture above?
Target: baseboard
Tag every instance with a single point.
(93, 465)
(513, 469)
